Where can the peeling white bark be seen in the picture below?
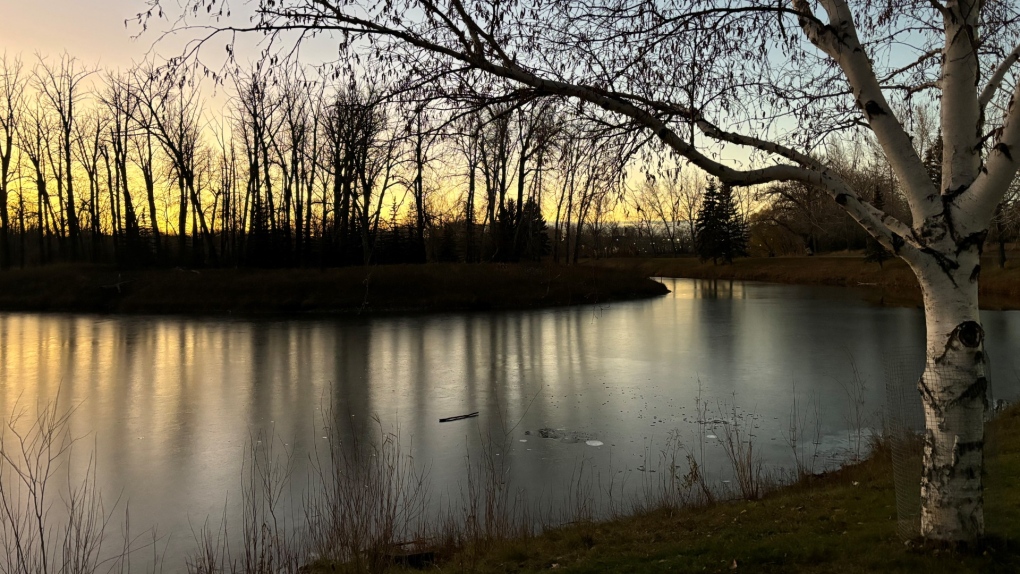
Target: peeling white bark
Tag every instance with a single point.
(953, 394)
(960, 111)
(943, 248)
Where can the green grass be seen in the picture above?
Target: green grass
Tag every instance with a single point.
(892, 284)
(388, 288)
(840, 523)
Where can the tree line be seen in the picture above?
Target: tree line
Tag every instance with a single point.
(295, 169)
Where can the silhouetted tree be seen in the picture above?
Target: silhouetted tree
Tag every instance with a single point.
(874, 251)
(12, 87)
(720, 233)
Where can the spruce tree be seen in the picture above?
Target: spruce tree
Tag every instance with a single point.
(874, 251)
(933, 160)
(533, 233)
(706, 226)
(720, 232)
(735, 230)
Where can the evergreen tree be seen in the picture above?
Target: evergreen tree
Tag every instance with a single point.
(521, 236)
(533, 232)
(933, 160)
(874, 251)
(720, 232)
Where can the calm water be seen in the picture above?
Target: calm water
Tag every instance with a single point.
(168, 405)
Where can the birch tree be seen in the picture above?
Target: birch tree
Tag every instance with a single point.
(775, 80)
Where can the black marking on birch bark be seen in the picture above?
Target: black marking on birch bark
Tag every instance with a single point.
(841, 199)
(969, 333)
(974, 239)
(931, 230)
(897, 243)
(952, 194)
(979, 357)
(963, 448)
(940, 474)
(975, 273)
(946, 264)
(947, 212)
(927, 396)
(872, 108)
(977, 390)
(1004, 150)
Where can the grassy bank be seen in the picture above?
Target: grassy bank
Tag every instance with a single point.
(391, 288)
(893, 283)
(842, 522)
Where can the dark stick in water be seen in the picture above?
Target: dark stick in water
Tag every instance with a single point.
(461, 417)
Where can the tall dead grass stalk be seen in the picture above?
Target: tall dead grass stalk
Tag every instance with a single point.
(51, 520)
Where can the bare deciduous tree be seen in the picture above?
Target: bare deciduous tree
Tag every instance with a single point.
(12, 87)
(60, 85)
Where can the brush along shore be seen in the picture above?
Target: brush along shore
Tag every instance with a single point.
(892, 283)
(840, 522)
(350, 290)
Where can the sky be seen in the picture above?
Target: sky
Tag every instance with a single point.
(91, 30)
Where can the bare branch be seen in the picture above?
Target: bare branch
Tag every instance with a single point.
(995, 80)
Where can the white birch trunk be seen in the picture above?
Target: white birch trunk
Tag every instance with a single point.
(953, 395)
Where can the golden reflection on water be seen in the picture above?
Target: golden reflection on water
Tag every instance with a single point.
(171, 403)
(709, 289)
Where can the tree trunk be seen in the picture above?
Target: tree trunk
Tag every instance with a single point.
(5, 224)
(953, 393)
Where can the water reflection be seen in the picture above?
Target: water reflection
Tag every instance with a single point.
(172, 402)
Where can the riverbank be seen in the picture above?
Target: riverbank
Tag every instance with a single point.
(351, 290)
(842, 522)
(891, 284)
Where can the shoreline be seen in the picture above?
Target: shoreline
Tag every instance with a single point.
(840, 521)
(893, 284)
(315, 293)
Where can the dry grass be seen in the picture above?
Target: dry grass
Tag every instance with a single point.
(51, 520)
(891, 284)
(839, 522)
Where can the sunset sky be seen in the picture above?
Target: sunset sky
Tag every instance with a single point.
(91, 30)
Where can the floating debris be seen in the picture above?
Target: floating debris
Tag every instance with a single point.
(593, 442)
(459, 417)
